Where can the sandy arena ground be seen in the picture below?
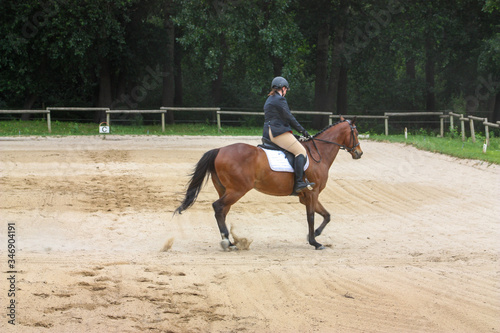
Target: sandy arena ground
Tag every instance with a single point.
(413, 245)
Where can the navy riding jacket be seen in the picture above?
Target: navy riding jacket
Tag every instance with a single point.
(277, 115)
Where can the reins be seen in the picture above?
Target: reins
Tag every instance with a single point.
(343, 147)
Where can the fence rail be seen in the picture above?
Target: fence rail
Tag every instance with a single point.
(47, 112)
(417, 113)
(250, 113)
(176, 108)
(470, 119)
(387, 115)
(162, 112)
(51, 108)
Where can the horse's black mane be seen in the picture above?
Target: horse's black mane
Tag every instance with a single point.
(324, 129)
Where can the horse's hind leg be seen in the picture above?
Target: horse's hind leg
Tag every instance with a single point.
(221, 208)
(218, 185)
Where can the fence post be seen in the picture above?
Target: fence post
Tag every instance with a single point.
(487, 133)
(462, 127)
(49, 126)
(218, 121)
(451, 122)
(441, 126)
(386, 123)
(487, 126)
(162, 122)
(472, 131)
(108, 119)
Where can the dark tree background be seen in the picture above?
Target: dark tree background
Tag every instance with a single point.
(341, 56)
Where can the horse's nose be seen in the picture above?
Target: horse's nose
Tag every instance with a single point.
(357, 154)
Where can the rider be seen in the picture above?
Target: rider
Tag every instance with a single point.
(278, 125)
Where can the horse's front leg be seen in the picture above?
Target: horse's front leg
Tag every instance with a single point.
(310, 200)
(326, 218)
(321, 211)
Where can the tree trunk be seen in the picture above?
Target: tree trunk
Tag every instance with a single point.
(320, 89)
(28, 104)
(105, 97)
(178, 76)
(430, 98)
(217, 83)
(342, 91)
(168, 92)
(32, 97)
(333, 84)
(411, 73)
(337, 64)
(329, 101)
(496, 109)
(277, 65)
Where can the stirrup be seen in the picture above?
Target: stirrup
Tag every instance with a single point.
(299, 187)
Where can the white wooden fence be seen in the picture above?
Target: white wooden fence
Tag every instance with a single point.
(47, 112)
(387, 115)
(162, 112)
(470, 120)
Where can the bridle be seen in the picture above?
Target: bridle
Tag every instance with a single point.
(343, 147)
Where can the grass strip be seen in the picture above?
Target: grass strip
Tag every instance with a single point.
(452, 146)
(449, 145)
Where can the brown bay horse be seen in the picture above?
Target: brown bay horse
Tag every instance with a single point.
(238, 168)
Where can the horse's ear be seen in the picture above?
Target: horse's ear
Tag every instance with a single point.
(353, 121)
(341, 118)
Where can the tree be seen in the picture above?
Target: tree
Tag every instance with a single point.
(24, 63)
(169, 84)
(338, 55)
(243, 45)
(324, 23)
(489, 60)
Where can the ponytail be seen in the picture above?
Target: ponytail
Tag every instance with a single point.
(273, 92)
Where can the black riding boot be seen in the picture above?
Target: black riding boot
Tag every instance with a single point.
(300, 184)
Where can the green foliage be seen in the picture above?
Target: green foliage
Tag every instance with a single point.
(259, 32)
(491, 6)
(54, 52)
(54, 49)
(453, 132)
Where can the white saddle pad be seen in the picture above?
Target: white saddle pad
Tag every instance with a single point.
(278, 161)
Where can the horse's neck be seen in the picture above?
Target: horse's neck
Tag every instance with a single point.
(329, 151)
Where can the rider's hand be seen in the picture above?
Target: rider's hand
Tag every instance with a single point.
(306, 134)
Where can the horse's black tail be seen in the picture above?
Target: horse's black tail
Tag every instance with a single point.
(203, 169)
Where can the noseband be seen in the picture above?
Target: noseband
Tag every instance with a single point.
(344, 147)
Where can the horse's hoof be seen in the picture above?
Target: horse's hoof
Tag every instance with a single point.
(225, 244)
(320, 247)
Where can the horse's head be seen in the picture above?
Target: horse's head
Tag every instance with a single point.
(351, 142)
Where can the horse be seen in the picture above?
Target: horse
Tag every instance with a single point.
(236, 169)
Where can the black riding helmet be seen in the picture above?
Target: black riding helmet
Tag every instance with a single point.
(279, 82)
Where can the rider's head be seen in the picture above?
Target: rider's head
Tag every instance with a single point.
(279, 85)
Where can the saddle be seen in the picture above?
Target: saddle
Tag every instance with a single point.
(268, 144)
